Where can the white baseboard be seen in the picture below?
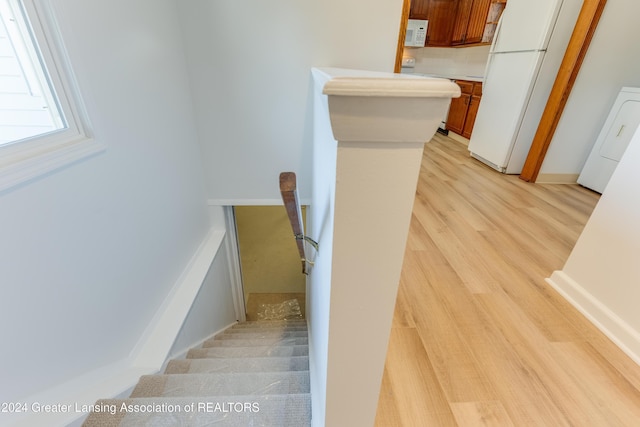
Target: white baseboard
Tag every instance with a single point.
(154, 347)
(182, 353)
(244, 202)
(109, 381)
(615, 328)
(148, 357)
(251, 202)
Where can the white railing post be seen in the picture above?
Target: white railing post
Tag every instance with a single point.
(369, 133)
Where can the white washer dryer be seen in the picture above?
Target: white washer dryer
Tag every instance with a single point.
(618, 129)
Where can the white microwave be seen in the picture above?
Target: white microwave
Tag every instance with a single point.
(416, 33)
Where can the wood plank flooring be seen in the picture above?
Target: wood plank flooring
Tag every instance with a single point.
(479, 338)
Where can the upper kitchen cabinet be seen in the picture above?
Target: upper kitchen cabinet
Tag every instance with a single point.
(441, 15)
(495, 11)
(470, 22)
(419, 9)
(458, 22)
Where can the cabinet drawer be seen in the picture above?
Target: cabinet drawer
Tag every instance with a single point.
(465, 86)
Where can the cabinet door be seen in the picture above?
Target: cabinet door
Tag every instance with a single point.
(458, 113)
(441, 16)
(461, 22)
(477, 21)
(465, 86)
(419, 9)
(474, 103)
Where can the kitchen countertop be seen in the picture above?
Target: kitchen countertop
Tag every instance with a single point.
(450, 77)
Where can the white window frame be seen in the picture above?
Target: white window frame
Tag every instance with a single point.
(30, 158)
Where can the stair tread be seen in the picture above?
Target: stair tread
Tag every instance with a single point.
(292, 410)
(253, 351)
(208, 384)
(245, 364)
(261, 342)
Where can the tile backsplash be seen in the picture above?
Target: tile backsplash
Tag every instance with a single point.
(469, 61)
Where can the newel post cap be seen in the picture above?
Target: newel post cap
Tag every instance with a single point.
(385, 107)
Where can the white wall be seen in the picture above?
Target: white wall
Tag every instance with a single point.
(250, 65)
(320, 216)
(213, 309)
(611, 63)
(602, 274)
(88, 253)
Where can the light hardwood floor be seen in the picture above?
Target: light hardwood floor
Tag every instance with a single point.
(479, 338)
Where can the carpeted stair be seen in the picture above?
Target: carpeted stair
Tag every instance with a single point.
(253, 374)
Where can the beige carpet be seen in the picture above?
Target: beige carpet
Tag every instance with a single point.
(253, 374)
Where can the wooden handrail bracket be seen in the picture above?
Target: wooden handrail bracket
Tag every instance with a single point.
(289, 192)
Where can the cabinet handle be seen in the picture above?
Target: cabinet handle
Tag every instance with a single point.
(620, 131)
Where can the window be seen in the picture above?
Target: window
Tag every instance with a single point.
(42, 125)
(28, 104)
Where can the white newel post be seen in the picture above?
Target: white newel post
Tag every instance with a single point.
(379, 122)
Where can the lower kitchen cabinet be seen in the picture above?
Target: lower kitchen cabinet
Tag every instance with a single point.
(463, 110)
(458, 113)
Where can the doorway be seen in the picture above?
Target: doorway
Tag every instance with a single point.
(270, 264)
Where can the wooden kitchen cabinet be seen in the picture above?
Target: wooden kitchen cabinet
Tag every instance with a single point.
(463, 110)
(441, 15)
(471, 20)
(472, 112)
(477, 21)
(458, 22)
(419, 9)
(459, 107)
(462, 22)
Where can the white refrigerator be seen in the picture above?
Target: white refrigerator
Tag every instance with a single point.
(524, 59)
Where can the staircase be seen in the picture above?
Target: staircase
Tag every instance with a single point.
(253, 374)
